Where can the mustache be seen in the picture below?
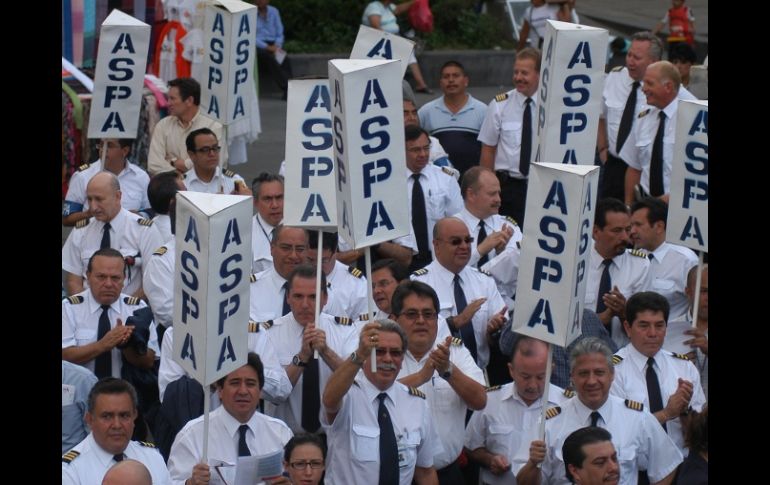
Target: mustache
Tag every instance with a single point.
(386, 367)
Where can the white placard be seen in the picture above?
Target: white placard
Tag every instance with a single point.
(570, 94)
(378, 44)
(561, 201)
(230, 32)
(309, 156)
(211, 283)
(688, 222)
(369, 150)
(120, 66)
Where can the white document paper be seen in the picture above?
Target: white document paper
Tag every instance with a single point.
(676, 338)
(253, 469)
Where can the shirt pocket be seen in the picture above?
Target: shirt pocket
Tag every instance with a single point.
(627, 462)
(365, 443)
(511, 131)
(663, 286)
(436, 205)
(407, 449)
(84, 336)
(501, 439)
(131, 201)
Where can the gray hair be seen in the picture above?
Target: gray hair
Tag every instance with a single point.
(656, 45)
(590, 345)
(388, 325)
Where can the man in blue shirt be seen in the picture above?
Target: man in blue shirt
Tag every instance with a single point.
(271, 58)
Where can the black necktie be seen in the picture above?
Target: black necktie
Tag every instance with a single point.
(420, 218)
(243, 448)
(627, 119)
(103, 361)
(286, 307)
(311, 397)
(595, 418)
(388, 446)
(605, 285)
(656, 160)
(650, 256)
(119, 457)
(526, 138)
(653, 388)
(482, 235)
(466, 331)
(105, 237)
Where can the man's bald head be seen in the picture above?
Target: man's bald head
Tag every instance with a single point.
(103, 194)
(128, 472)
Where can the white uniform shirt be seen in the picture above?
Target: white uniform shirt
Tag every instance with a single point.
(668, 275)
(347, 292)
(475, 285)
(637, 150)
(163, 223)
(127, 234)
(80, 324)
(92, 463)
(159, 283)
(261, 234)
(617, 88)
(628, 272)
(286, 335)
(446, 406)
(442, 195)
(506, 426)
(265, 437)
(354, 437)
(133, 188)
(493, 223)
(267, 295)
(223, 182)
(631, 383)
(639, 440)
(276, 387)
(502, 128)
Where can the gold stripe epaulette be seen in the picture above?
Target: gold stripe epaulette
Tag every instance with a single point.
(420, 272)
(144, 222)
(267, 325)
(363, 316)
(131, 300)
(552, 412)
(343, 321)
(69, 456)
(82, 223)
(511, 220)
(569, 393)
(413, 391)
(501, 97)
(253, 278)
(83, 167)
(160, 251)
(228, 173)
(616, 359)
(638, 253)
(147, 444)
(643, 113)
(75, 299)
(494, 388)
(457, 341)
(680, 356)
(636, 406)
(355, 272)
(617, 69)
(253, 326)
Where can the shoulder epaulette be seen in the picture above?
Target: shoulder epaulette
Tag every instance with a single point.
(228, 173)
(144, 222)
(518, 244)
(420, 272)
(253, 278)
(355, 272)
(616, 359)
(483, 271)
(363, 316)
(160, 251)
(82, 223)
(448, 171)
(267, 325)
(617, 69)
(343, 321)
(552, 412)
(413, 391)
(75, 299)
(83, 167)
(643, 113)
(147, 444)
(253, 326)
(636, 406)
(494, 388)
(569, 393)
(638, 253)
(457, 341)
(511, 220)
(680, 356)
(501, 97)
(131, 300)
(69, 456)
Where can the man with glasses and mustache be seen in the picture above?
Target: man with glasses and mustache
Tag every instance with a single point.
(442, 368)
(468, 298)
(377, 428)
(206, 174)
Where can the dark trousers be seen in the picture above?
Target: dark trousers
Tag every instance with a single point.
(450, 475)
(280, 73)
(513, 196)
(614, 180)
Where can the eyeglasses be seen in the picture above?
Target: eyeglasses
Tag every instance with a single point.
(456, 241)
(288, 248)
(301, 465)
(395, 353)
(207, 150)
(426, 314)
(425, 148)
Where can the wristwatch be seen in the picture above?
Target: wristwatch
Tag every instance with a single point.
(354, 358)
(448, 373)
(298, 362)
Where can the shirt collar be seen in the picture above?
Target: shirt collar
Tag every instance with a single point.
(96, 307)
(192, 175)
(231, 424)
(584, 412)
(661, 251)
(639, 359)
(598, 259)
(371, 392)
(445, 275)
(101, 454)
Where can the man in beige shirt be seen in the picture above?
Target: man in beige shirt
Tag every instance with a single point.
(167, 145)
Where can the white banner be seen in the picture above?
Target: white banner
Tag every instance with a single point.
(120, 65)
(561, 201)
(211, 283)
(570, 94)
(310, 157)
(378, 44)
(369, 150)
(688, 222)
(230, 30)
